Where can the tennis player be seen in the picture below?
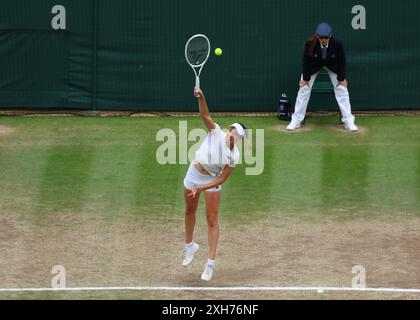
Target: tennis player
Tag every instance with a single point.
(214, 162)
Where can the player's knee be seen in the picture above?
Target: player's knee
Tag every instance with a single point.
(212, 220)
(190, 211)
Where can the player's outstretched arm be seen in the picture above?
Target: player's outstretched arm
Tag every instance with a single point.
(204, 110)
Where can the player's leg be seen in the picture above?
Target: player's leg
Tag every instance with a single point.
(343, 99)
(190, 247)
(301, 105)
(191, 182)
(191, 205)
(212, 210)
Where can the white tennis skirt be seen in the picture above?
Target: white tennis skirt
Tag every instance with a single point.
(195, 178)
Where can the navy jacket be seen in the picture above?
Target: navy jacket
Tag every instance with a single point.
(336, 60)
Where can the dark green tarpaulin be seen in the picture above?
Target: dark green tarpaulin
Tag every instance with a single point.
(129, 54)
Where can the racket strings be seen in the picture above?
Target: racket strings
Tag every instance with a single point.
(197, 52)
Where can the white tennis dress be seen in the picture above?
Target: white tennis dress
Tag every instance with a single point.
(214, 155)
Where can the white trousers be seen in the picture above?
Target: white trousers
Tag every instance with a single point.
(341, 95)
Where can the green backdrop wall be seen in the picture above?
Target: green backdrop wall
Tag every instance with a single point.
(129, 54)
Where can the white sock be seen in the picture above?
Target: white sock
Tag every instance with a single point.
(188, 245)
(211, 262)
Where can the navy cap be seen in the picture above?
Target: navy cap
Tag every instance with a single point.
(324, 30)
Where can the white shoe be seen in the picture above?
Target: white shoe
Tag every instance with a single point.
(208, 272)
(188, 254)
(295, 124)
(349, 125)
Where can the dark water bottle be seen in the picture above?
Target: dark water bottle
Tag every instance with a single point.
(284, 111)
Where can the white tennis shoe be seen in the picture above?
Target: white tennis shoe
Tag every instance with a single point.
(207, 274)
(188, 253)
(349, 125)
(294, 124)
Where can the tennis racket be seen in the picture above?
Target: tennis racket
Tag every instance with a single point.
(197, 52)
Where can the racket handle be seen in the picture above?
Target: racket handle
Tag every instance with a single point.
(197, 83)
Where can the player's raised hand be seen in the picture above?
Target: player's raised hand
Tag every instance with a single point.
(198, 93)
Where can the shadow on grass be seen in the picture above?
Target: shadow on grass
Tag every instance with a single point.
(65, 179)
(344, 177)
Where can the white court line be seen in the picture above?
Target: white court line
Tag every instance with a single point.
(160, 288)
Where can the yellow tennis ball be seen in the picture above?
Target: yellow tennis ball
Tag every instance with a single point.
(218, 52)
